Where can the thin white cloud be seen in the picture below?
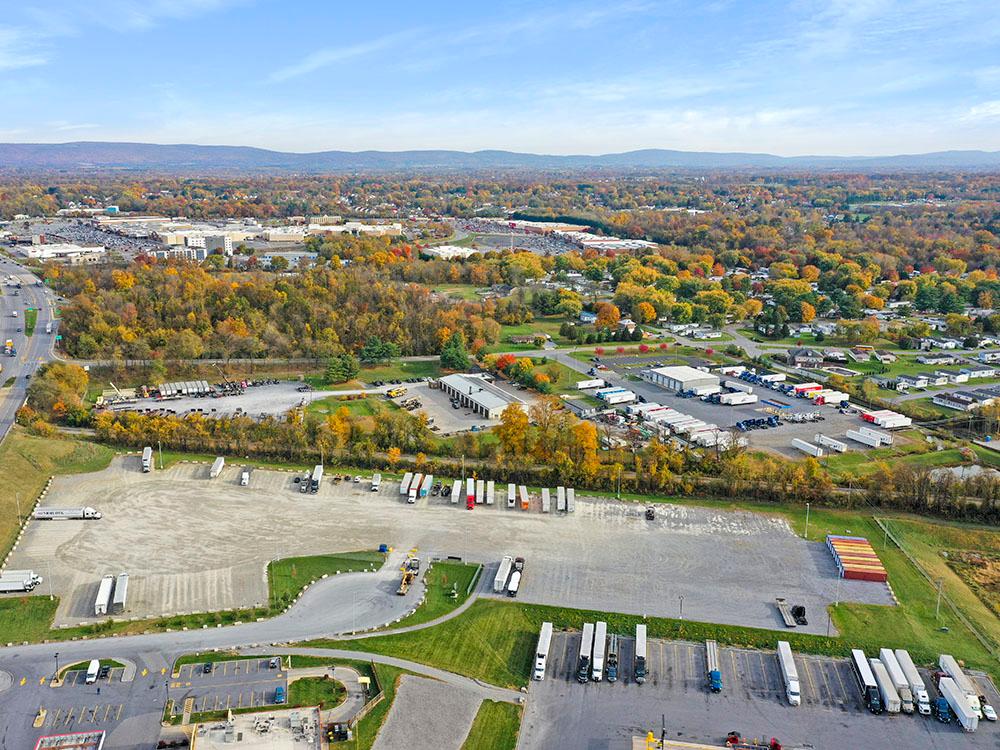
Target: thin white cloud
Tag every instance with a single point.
(17, 50)
(333, 55)
(985, 111)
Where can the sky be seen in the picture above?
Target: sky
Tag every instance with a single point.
(845, 77)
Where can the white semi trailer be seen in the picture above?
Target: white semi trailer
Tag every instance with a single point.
(789, 673)
(917, 687)
(890, 698)
(542, 651)
(66, 514)
(899, 681)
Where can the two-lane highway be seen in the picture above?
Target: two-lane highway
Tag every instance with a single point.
(32, 351)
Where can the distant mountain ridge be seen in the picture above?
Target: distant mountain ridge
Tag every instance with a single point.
(100, 155)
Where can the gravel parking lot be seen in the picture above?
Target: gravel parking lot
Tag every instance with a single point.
(428, 715)
(604, 556)
(561, 712)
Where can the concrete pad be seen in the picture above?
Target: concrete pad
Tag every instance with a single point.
(428, 715)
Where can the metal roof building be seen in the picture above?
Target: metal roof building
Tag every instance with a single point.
(478, 394)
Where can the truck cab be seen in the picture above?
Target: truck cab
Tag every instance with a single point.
(941, 710)
(715, 681)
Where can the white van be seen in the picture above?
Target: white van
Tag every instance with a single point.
(92, 671)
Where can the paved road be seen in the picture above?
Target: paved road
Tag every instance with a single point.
(32, 351)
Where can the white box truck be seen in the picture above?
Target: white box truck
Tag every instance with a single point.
(85, 513)
(586, 651)
(890, 698)
(829, 442)
(600, 642)
(899, 681)
(147, 459)
(639, 664)
(789, 673)
(511, 495)
(503, 573)
(546, 500)
(470, 490)
(93, 669)
(490, 492)
(456, 492)
(917, 687)
(15, 581)
(542, 651)
(404, 486)
(217, 466)
(958, 700)
(583, 385)
(480, 491)
(376, 481)
(570, 499)
(103, 600)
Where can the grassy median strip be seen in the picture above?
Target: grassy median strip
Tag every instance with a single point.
(495, 727)
(287, 577)
(30, 319)
(324, 692)
(448, 587)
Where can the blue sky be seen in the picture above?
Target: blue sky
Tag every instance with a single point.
(798, 77)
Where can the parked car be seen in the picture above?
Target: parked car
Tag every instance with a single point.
(207, 668)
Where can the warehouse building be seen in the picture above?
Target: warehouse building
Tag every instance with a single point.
(680, 378)
(476, 393)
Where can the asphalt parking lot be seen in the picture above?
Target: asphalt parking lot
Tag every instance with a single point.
(222, 536)
(444, 418)
(231, 684)
(561, 712)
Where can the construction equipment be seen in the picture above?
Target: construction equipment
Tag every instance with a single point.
(407, 580)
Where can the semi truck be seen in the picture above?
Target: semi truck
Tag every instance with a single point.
(600, 643)
(217, 467)
(404, 486)
(425, 485)
(490, 492)
(480, 491)
(546, 500)
(829, 442)
(316, 480)
(917, 687)
(522, 492)
(511, 495)
(376, 481)
(866, 681)
(890, 698)
(611, 668)
(561, 499)
(586, 648)
(583, 385)
(864, 438)
(515, 583)
(789, 673)
(899, 681)
(503, 573)
(103, 600)
(959, 703)
(639, 664)
(949, 666)
(412, 493)
(147, 459)
(883, 437)
(120, 598)
(570, 499)
(456, 492)
(67, 514)
(15, 581)
(712, 666)
(542, 651)
(470, 490)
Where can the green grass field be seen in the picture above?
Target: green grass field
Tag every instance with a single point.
(430, 368)
(441, 580)
(26, 618)
(32, 460)
(495, 727)
(286, 577)
(356, 407)
(324, 692)
(467, 292)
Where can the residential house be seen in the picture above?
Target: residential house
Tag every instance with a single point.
(993, 356)
(912, 381)
(956, 401)
(934, 379)
(834, 355)
(588, 317)
(859, 355)
(528, 338)
(886, 358)
(937, 359)
(979, 371)
(804, 357)
(953, 376)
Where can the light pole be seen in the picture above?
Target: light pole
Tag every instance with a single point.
(56, 675)
(159, 447)
(681, 597)
(807, 522)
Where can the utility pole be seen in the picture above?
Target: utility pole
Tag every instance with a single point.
(807, 522)
(937, 608)
(159, 447)
(681, 597)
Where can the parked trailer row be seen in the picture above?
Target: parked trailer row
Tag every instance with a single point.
(959, 703)
(737, 399)
(866, 681)
(899, 681)
(887, 419)
(949, 666)
(807, 448)
(863, 438)
(883, 437)
(917, 687)
(829, 442)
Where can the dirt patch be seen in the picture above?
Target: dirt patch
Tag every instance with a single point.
(981, 573)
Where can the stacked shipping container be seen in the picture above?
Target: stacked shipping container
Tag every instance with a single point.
(856, 559)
